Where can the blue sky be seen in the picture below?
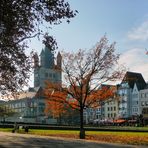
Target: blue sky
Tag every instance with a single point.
(124, 21)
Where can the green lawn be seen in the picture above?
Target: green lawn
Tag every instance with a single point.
(6, 129)
(52, 132)
(134, 138)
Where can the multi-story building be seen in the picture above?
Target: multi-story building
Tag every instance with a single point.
(92, 114)
(29, 106)
(131, 100)
(143, 95)
(128, 92)
(135, 110)
(111, 109)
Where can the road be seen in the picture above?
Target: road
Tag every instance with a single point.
(15, 140)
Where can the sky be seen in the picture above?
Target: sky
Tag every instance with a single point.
(123, 21)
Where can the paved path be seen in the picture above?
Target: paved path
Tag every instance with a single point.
(15, 140)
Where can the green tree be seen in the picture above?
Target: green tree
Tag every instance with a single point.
(21, 20)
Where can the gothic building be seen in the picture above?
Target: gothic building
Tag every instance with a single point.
(48, 69)
(29, 106)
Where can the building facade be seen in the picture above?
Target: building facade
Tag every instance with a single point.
(111, 109)
(131, 101)
(29, 106)
(143, 95)
(128, 92)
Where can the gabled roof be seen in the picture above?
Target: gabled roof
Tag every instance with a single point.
(132, 78)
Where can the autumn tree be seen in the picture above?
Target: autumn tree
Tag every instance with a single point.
(84, 73)
(21, 20)
(55, 109)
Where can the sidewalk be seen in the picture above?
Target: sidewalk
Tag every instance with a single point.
(15, 140)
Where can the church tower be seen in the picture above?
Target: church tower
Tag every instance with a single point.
(47, 70)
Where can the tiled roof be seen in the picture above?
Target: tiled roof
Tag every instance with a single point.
(26, 95)
(132, 78)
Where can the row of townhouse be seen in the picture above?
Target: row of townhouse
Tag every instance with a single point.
(131, 101)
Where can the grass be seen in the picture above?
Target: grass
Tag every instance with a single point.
(126, 127)
(6, 129)
(133, 138)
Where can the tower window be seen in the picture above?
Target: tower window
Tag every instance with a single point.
(46, 74)
(50, 75)
(54, 75)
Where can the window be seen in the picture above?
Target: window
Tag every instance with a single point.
(135, 102)
(114, 108)
(108, 108)
(133, 109)
(142, 95)
(50, 75)
(54, 76)
(46, 75)
(12, 105)
(135, 95)
(35, 104)
(142, 103)
(23, 104)
(16, 105)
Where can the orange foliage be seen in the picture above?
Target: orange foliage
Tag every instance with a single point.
(55, 100)
(55, 108)
(104, 93)
(58, 99)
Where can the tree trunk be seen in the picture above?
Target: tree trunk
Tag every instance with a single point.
(82, 130)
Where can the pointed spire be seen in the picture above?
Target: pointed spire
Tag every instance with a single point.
(36, 60)
(59, 60)
(42, 52)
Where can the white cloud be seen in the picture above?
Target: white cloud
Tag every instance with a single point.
(139, 33)
(135, 60)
